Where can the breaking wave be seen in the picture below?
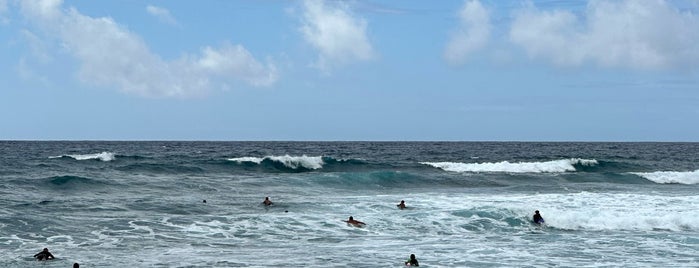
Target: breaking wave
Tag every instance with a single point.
(103, 156)
(554, 166)
(667, 177)
(291, 162)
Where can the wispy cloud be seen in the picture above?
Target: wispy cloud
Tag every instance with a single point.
(26, 73)
(636, 34)
(38, 47)
(109, 55)
(162, 14)
(338, 35)
(472, 34)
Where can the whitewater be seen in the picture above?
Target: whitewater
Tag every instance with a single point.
(469, 204)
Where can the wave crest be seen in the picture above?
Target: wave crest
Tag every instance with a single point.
(292, 162)
(103, 156)
(554, 166)
(667, 177)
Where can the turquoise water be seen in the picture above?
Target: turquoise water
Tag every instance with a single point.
(140, 204)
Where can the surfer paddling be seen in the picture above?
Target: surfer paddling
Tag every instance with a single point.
(354, 222)
(44, 255)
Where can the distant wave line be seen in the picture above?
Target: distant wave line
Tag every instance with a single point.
(103, 156)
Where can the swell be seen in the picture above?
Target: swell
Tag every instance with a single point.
(70, 182)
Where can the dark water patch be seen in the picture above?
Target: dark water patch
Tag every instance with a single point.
(69, 182)
(159, 168)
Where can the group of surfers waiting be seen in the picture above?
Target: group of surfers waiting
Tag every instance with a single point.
(412, 261)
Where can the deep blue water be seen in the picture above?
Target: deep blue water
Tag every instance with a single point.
(140, 204)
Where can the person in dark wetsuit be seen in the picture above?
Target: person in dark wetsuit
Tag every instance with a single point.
(44, 255)
(401, 205)
(537, 218)
(412, 261)
(267, 202)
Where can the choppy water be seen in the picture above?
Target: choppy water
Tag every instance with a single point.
(140, 204)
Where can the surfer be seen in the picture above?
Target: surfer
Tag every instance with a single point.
(354, 222)
(412, 261)
(267, 202)
(44, 255)
(401, 205)
(537, 218)
(76, 265)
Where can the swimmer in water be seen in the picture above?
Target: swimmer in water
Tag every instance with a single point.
(401, 205)
(267, 202)
(412, 261)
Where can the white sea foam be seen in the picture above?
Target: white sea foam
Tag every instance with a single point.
(578, 211)
(293, 162)
(103, 156)
(555, 166)
(256, 160)
(687, 177)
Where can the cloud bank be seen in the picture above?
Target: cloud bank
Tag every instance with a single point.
(473, 33)
(110, 55)
(161, 14)
(339, 37)
(635, 34)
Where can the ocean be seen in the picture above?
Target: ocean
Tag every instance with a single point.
(469, 204)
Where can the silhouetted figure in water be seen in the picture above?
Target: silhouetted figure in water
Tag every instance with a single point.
(401, 205)
(537, 218)
(267, 202)
(354, 222)
(44, 255)
(204, 201)
(76, 265)
(412, 261)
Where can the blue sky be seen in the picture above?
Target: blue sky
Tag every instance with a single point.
(487, 70)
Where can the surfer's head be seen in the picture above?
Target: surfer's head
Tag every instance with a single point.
(351, 218)
(536, 212)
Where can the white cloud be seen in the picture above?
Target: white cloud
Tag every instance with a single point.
(112, 56)
(472, 34)
(638, 34)
(162, 14)
(339, 37)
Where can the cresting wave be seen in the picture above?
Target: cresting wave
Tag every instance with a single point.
(292, 162)
(103, 156)
(666, 177)
(554, 166)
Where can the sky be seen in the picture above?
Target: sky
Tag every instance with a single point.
(359, 70)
